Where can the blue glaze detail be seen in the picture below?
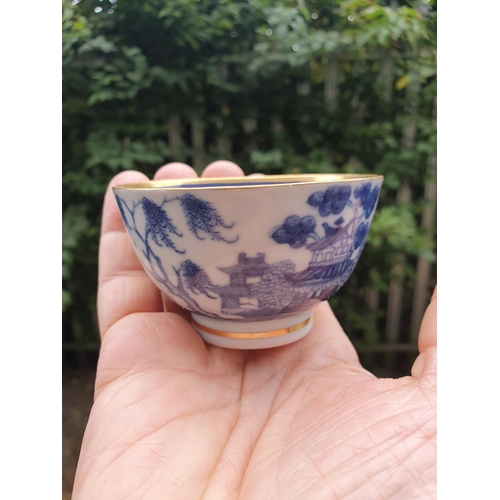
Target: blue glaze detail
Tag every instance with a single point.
(361, 234)
(158, 231)
(368, 197)
(202, 217)
(332, 201)
(159, 225)
(296, 231)
(257, 289)
(196, 278)
(254, 288)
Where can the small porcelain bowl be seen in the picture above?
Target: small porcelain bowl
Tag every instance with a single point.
(250, 257)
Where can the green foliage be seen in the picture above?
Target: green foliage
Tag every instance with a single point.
(267, 161)
(105, 148)
(328, 87)
(395, 230)
(74, 224)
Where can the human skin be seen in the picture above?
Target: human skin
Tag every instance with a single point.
(174, 418)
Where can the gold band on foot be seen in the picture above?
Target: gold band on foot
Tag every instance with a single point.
(256, 335)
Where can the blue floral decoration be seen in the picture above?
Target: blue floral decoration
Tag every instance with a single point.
(202, 217)
(361, 234)
(368, 197)
(295, 230)
(196, 278)
(158, 229)
(332, 201)
(158, 224)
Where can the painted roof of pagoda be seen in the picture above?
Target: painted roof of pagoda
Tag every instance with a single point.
(331, 241)
(248, 266)
(311, 274)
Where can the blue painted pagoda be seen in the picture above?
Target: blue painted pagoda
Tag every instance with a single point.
(241, 294)
(329, 261)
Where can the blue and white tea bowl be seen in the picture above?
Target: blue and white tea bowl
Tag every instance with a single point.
(250, 257)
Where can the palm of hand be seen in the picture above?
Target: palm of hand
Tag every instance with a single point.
(174, 418)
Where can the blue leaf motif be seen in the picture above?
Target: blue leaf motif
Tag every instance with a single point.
(158, 224)
(361, 234)
(368, 197)
(295, 231)
(337, 197)
(196, 278)
(202, 217)
(316, 199)
(332, 201)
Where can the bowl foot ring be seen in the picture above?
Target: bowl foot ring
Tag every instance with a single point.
(236, 334)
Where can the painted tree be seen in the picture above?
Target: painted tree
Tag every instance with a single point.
(273, 289)
(159, 231)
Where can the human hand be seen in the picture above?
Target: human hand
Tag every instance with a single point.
(174, 418)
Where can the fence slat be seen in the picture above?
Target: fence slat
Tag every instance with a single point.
(223, 142)
(174, 135)
(404, 196)
(396, 283)
(331, 90)
(198, 145)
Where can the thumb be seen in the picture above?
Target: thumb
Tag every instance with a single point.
(425, 366)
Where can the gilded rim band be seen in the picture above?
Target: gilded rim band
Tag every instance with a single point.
(228, 183)
(256, 335)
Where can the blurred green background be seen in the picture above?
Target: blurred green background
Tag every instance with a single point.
(277, 87)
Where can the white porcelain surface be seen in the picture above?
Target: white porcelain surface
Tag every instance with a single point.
(250, 253)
